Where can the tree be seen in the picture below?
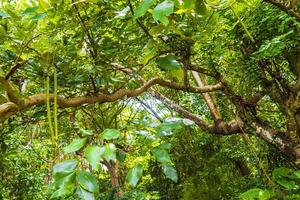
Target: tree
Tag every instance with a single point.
(212, 62)
(65, 53)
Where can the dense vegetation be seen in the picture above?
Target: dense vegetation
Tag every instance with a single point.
(150, 99)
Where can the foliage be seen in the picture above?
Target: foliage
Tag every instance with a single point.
(149, 99)
(288, 183)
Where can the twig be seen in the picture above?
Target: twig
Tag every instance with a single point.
(138, 21)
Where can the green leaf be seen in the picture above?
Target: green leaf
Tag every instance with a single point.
(65, 166)
(85, 195)
(143, 7)
(65, 191)
(75, 145)
(280, 172)
(3, 14)
(63, 178)
(256, 193)
(161, 155)
(86, 132)
(167, 128)
(38, 16)
(148, 56)
(87, 181)
(162, 10)
(30, 11)
(168, 63)
(93, 155)
(165, 146)
(121, 155)
(109, 134)
(287, 184)
(109, 152)
(170, 172)
(297, 173)
(134, 175)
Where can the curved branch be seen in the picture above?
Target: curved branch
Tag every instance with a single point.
(226, 128)
(7, 109)
(40, 99)
(201, 70)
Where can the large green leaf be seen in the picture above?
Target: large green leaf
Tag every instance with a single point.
(110, 152)
(63, 178)
(149, 54)
(167, 128)
(75, 145)
(143, 7)
(109, 134)
(162, 10)
(286, 183)
(168, 63)
(161, 155)
(86, 132)
(170, 172)
(121, 155)
(93, 155)
(297, 174)
(87, 181)
(281, 172)
(63, 192)
(284, 177)
(30, 10)
(165, 146)
(85, 195)
(134, 175)
(256, 193)
(65, 166)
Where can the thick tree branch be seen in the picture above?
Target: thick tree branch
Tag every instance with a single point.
(244, 107)
(40, 99)
(231, 127)
(209, 101)
(7, 109)
(280, 140)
